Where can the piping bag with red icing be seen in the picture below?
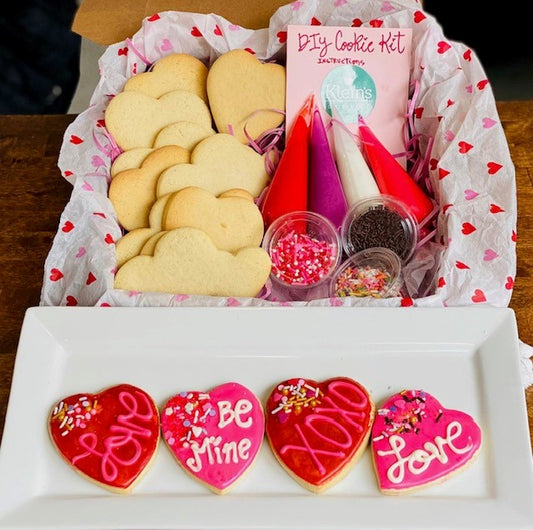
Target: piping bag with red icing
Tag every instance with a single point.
(287, 191)
(326, 196)
(318, 430)
(391, 177)
(417, 442)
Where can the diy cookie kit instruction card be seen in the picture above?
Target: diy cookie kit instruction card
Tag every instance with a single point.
(360, 71)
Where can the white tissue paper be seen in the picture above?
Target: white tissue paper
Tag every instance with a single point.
(455, 114)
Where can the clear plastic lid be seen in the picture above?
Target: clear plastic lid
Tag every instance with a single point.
(375, 272)
(380, 221)
(305, 249)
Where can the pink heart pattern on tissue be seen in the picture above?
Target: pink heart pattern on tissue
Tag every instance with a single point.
(470, 194)
(215, 436)
(416, 442)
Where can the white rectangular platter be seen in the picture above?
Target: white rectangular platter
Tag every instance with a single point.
(466, 357)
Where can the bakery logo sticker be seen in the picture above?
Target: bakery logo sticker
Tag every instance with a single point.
(351, 91)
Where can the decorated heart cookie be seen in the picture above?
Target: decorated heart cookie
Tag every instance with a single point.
(109, 437)
(417, 442)
(216, 435)
(318, 430)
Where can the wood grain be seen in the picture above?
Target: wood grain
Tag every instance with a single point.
(33, 195)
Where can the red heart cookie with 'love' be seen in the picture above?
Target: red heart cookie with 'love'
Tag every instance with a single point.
(318, 430)
(417, 442)
(109, 437)
(216, 435)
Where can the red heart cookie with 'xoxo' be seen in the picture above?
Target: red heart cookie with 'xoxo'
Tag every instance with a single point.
(109, 437)
(417, 442)
(318, 430)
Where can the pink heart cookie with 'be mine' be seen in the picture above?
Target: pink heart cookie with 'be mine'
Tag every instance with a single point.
(417, 442)
(216, 435)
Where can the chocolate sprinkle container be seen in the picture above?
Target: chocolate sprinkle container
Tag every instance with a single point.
(380, 221)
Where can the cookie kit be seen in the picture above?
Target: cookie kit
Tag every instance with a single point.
(471, 238)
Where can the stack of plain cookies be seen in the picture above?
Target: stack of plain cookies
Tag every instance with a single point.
(185, 185)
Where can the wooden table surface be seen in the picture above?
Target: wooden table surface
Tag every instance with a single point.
(33, 194)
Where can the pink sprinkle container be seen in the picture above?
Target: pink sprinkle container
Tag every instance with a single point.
(305, 249)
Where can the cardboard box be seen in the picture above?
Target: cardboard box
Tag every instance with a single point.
(106, 22)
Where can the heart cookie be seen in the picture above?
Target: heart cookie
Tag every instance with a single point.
(215, 436)
(186, 261)
(218, 163)
(244, 92)
(134, 119)
(417, 442)
(109, 437)
(318, 430)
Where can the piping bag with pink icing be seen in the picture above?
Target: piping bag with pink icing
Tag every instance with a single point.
(215, 436)
(392, 179)
(417, 442)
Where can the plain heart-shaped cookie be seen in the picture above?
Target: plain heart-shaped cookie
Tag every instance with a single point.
(244, 92)
(215, 436)
(417, 442)
(177, 71)
(133, 191)
(109, 437)
(318, 430)
(218, 163)
(231, 222)
(134, 119)
(186, 261)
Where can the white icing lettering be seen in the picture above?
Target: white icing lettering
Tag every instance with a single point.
(230, 452)
(419, 460)
(228, 415)
(243, 448)
(214, 452)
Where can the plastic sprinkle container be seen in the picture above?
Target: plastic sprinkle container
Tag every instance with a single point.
(380, 221)
(375, 272)
(305, 249)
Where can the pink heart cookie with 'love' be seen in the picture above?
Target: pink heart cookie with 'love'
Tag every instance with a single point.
(318, 430)
(216, 435)
(109, 437)
(416, 442)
